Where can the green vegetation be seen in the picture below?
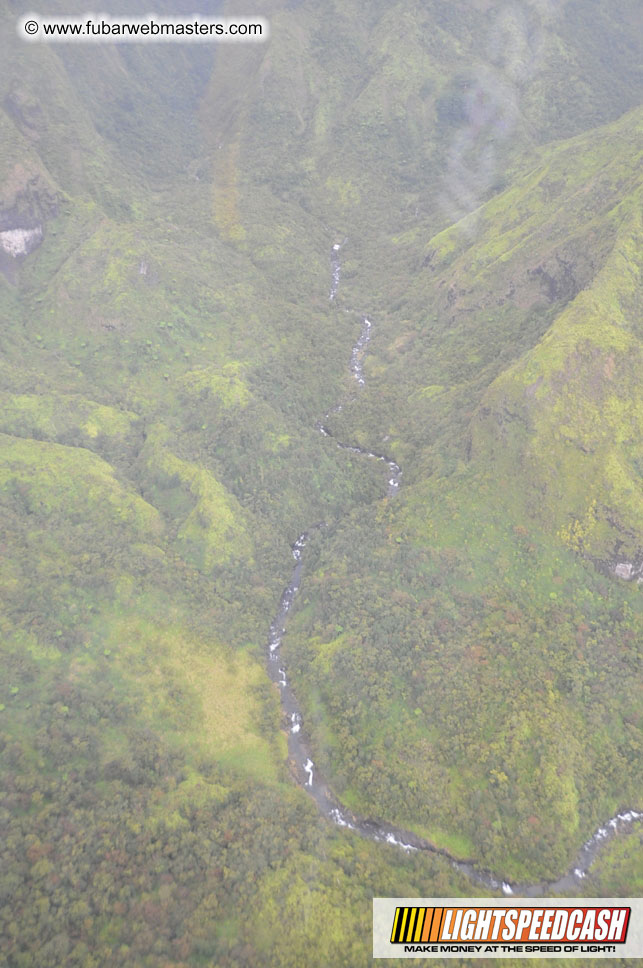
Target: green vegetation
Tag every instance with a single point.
(486, 683)
(617, 872)
(467, 662)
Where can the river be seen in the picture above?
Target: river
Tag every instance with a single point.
(299, 748)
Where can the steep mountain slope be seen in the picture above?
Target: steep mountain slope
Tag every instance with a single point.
(506, 673)
(406, 113)
(465, 655)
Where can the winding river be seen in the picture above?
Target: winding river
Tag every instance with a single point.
(299, 749)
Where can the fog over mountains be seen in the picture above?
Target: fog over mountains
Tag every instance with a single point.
(463, 647)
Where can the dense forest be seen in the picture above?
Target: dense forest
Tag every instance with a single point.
(466, 653)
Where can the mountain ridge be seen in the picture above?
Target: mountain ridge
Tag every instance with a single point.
(466, 655)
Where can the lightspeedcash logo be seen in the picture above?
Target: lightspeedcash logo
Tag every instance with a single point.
(490, 928)
(456, 925)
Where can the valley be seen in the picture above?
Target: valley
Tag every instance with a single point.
(320, 476)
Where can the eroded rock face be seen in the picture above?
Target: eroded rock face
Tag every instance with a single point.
(28, 200)
(17, 242)
(629, 572)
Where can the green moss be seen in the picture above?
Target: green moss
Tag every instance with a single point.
(56, 416)
(214, 530)
(56, 480)
(226, 384)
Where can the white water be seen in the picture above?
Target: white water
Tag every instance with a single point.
(308, 768)
(322, 794)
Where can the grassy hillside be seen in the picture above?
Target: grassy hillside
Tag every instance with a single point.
(466, 658)
(484, 635)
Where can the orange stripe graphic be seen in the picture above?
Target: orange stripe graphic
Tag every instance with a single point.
(436, 930)
(428, 921)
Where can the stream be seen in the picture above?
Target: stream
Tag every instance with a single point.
(299, 749)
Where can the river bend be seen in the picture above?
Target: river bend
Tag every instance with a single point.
(299, 749)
